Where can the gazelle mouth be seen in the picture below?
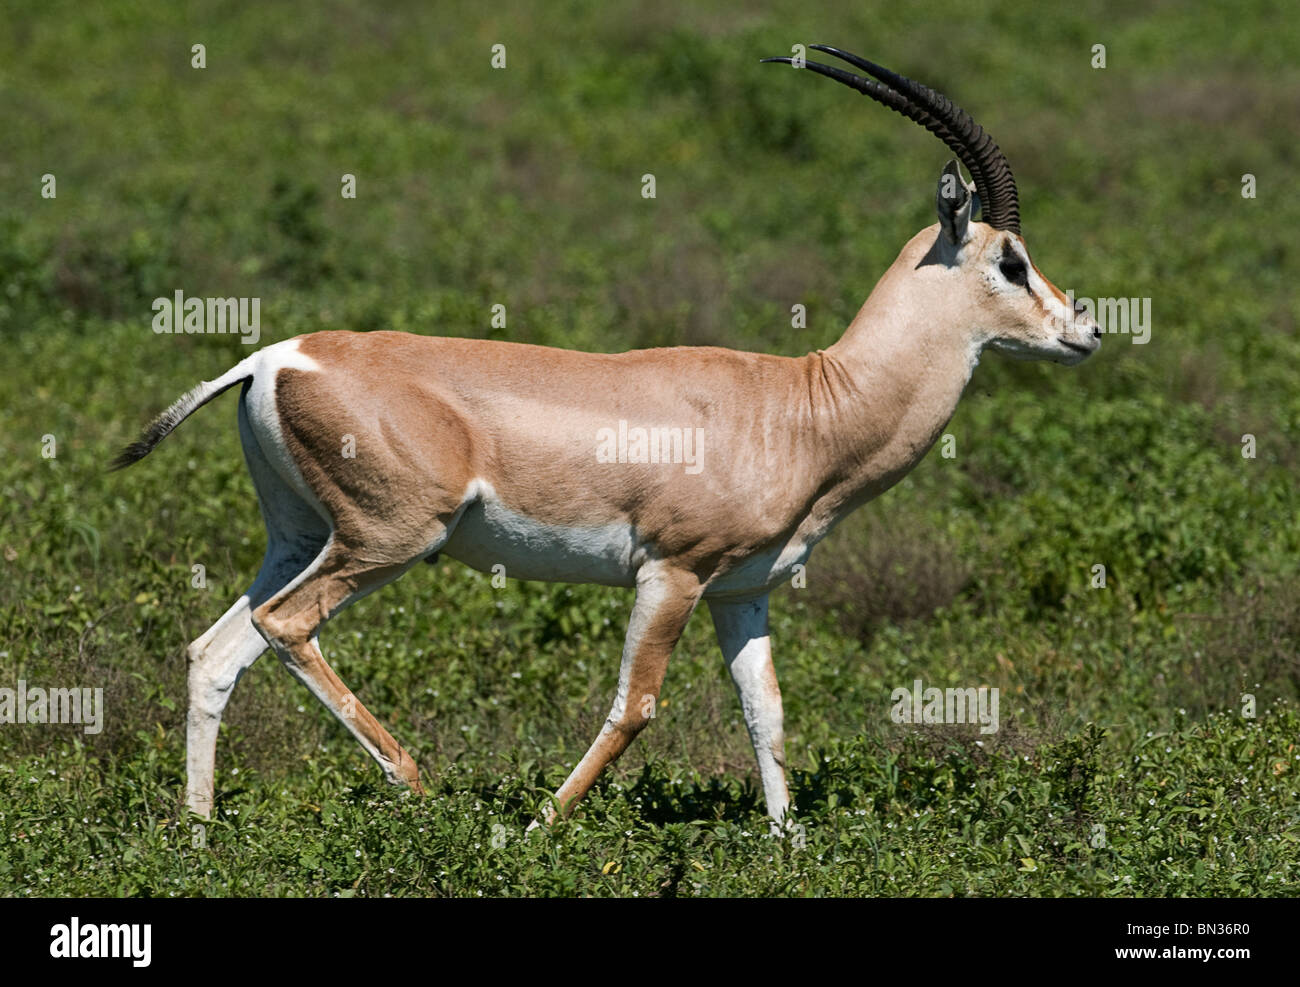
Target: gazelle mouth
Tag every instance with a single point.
(1074, 346)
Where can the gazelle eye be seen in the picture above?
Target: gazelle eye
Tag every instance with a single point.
(1013, 269)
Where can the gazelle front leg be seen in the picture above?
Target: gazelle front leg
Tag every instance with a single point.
(747, 649)
(665, 599)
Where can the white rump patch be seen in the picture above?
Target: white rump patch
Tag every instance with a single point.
(264, 416)
(284, 356)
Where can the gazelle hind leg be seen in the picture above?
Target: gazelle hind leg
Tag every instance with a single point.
(379, 526)
(665, 599)
(290, 622)
(217, 660)
(742, 632)
(220, 657)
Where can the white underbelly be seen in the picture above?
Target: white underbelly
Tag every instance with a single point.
(489, 534)
(763, 571)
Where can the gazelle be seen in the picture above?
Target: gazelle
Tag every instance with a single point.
(373, 451)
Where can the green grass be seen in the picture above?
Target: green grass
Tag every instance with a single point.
(1124, 765)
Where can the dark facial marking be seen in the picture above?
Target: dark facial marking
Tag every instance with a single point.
(1012, 267)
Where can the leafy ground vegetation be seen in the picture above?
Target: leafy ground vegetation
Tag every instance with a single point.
(1126, 763)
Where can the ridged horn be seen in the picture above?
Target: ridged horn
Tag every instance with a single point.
(988, 166)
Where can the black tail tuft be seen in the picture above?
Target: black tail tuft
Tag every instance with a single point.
(162, 426)
(142, 446)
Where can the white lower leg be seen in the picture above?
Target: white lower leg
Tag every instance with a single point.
(746, 647)
(216, 661)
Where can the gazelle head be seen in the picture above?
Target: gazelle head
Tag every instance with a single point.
(981, 269)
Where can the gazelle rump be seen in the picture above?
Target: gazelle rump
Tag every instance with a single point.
(373, 451)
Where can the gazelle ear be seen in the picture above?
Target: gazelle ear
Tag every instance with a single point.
(953, 201)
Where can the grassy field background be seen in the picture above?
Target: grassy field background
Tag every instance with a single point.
(1124, 764)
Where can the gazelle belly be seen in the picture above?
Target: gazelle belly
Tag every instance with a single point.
(763, 570)
(489, 534)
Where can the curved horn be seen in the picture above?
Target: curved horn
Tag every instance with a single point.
(994, 183)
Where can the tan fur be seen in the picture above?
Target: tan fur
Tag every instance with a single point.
(793, 445)
(793, 442)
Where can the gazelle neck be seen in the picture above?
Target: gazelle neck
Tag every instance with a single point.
(904, 361)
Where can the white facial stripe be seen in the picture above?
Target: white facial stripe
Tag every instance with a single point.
(1036, 283)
